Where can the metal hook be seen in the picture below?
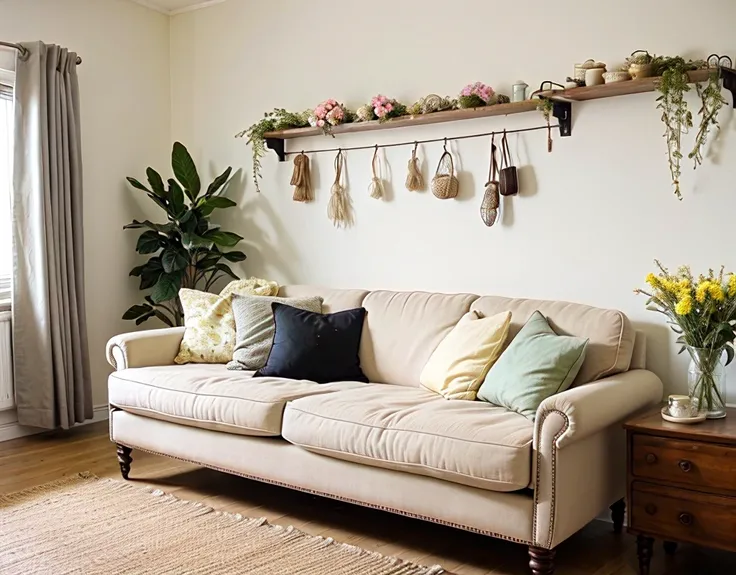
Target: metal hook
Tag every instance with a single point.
(444, 146)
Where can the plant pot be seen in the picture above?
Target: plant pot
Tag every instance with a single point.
(706, 377)
(638, 71)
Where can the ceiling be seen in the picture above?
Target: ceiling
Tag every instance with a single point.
(176, 6)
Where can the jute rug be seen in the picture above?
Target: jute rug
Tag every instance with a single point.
(86, 525)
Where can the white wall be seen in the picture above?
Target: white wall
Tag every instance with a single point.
(125, 91)
(593, 214)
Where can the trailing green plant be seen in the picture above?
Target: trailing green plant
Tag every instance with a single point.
(672, 85)
(712, 101)
(279, 119)
(546, 106)
(188, 251)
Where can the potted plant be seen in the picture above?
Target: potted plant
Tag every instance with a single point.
(188, 251)
(702, 312)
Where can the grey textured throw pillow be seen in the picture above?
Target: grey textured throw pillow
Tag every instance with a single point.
(254, 326)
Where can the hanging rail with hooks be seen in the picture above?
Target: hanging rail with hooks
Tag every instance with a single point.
(277, 144)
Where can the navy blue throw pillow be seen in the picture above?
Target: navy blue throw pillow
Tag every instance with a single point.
(315, 346)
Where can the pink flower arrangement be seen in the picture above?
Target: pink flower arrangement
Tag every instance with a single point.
(385, 108)
(475, 95)
(328, 113)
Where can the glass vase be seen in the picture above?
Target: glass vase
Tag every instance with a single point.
(707, 381)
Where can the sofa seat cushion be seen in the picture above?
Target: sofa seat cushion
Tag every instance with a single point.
(211, 397)
(417, 431)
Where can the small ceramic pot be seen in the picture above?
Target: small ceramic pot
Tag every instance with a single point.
(617, 76)
(640, 71)
(594, 76)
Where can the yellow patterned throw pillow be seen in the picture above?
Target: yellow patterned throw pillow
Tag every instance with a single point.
(210, 326)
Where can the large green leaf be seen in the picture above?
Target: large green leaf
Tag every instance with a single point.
(167, 287)
(148, 243)
(729, 354)
(176, 196)
(225, 239)
(224, 268)
(209, 205)
(156, 182)
(163, 228)
(145, 317)
(136, 184)
(209, 262)
(218, 182)
(185, 170)
(173, 260)
(136, 311)
(234, 256)
(194, 242)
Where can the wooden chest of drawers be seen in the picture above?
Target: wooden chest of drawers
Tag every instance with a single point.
(681, 483)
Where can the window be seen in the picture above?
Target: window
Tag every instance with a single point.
(6, 178)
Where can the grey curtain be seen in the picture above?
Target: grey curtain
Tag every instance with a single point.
(50, 352)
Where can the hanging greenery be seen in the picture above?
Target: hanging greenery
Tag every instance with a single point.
(712, 102)
(279, 119)
(672, 85)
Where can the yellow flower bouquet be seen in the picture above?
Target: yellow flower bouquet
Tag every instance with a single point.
(702, 312)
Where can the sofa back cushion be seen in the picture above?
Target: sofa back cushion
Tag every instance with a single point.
(333, 300)
(402, 329)
(610, 334)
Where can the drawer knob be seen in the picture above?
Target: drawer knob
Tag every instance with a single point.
(651, 458)
(686, 518)
(650, 508)
(685, 465)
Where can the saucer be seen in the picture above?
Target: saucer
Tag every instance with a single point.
(687, 420)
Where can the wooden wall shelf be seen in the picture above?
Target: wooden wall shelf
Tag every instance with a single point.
(406, 121)
(627, 87)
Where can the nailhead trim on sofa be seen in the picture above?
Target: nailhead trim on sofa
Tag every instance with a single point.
(559, 434)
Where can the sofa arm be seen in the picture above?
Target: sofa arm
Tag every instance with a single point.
(144, 348)
(593, 407)
(580, 451)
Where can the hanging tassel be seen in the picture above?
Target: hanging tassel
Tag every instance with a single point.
(414, 179)
(376, 188)
(338, 209)
(549, 136)
(301, 179)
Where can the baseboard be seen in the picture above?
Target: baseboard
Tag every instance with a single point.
(13, 430)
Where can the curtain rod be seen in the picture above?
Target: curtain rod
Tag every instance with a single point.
(23, 51)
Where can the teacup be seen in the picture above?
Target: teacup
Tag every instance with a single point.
(679, 406)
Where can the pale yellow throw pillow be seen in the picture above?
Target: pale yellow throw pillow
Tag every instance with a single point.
(210, 325)
(457, 368)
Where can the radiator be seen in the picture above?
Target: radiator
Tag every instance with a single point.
(7, 395)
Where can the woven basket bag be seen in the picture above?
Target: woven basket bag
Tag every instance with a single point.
(444, 184)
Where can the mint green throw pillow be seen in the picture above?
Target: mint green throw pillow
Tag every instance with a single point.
(537, 364)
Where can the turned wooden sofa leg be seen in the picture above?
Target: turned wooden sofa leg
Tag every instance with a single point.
(618, 510)
(541, 561)
(124, 459)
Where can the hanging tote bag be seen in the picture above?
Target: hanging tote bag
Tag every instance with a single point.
(508, 177)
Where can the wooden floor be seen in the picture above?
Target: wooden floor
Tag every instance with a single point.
(593, 551)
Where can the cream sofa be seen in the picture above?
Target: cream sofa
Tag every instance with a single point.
(391, 444)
